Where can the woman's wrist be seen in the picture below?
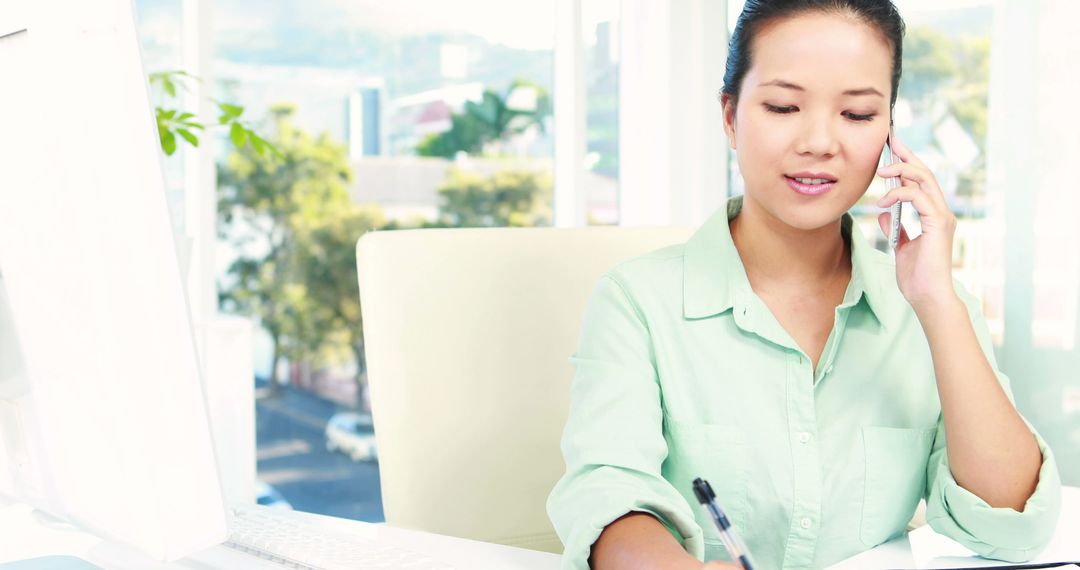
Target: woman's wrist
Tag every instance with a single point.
(932, 308)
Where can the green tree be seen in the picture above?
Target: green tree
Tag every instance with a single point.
(327, 264)
(279, 209)
(954, 74)
(928, 65)
(967, 101)
(495, 117)
(173, 123)
(507, 198)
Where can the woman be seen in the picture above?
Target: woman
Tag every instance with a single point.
(811, 379)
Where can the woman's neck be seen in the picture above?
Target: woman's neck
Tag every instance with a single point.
(781, 259)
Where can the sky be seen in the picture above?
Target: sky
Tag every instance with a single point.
(525, 24)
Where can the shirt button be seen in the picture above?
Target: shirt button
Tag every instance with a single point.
(804, 437)
(805, 523)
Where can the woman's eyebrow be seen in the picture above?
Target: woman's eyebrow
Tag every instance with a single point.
(789, 85)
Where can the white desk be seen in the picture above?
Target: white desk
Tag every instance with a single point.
(25, 534)
(924, 548)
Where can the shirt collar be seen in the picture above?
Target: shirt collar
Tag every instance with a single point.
(714, 279)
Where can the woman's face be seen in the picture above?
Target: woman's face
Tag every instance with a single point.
(814, 100)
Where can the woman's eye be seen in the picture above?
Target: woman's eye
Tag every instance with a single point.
(781, 110)
(858, 117)
(791, 109)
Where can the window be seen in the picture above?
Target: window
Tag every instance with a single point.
(600, 20)
(386, 116)
(428, 114)
(161, 41)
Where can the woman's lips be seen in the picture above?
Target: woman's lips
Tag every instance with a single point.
(809, 189)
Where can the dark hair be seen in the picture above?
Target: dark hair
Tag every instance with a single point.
(881, 14)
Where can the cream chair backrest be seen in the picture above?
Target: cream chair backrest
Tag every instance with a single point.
(468, 333)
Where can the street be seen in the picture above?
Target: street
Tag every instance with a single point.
(292, 456)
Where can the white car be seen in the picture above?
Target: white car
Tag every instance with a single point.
(268, 496)
(352, 434)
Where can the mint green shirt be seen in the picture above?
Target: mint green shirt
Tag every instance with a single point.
(683, 372)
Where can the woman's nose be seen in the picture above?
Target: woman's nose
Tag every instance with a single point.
(817, 138)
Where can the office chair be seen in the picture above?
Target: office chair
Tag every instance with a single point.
(468, 334)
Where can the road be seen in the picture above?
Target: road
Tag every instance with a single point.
(292, 456)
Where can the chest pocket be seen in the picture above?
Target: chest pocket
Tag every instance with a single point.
(895, 479)
(718, 454)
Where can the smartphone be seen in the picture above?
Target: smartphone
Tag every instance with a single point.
(887, 159)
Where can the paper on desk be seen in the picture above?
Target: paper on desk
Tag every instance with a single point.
(932, 550)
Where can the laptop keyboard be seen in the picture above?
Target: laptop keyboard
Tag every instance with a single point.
(279, 538)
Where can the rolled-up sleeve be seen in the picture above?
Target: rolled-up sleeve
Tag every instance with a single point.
(1001, 533)
(613, 441)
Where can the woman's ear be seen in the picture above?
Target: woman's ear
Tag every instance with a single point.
(728, 104)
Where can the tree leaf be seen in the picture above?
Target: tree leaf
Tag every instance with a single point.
(188, 136)
(169, 86)
(168, 142)
(257, 143)
(239, 135)
(230, 110)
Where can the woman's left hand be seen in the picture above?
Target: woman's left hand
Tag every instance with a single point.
(923, 264)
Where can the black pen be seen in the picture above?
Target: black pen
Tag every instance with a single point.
(735, 548)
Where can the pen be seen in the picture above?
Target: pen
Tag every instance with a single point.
(735, 548)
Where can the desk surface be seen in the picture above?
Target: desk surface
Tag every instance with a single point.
(460, 553)
(27, 535)
(924, 548)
